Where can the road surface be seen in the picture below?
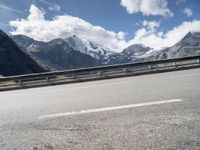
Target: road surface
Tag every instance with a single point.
(158, 111)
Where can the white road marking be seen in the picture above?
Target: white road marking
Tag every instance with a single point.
(109, 108)
(185, 75)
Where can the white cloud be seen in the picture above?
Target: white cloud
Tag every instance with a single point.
(147, 7)
(157, 40)
(151, 24)
(121, 35)
(188, 12)
(55, 8)
(37, 27)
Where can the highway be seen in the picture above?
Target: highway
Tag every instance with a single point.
(157, 111)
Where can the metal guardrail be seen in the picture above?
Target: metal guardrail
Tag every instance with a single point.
(100, 72)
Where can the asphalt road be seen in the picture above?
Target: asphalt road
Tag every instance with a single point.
(158, 111)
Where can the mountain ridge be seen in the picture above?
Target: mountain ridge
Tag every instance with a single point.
(187, 46)
(57, 54)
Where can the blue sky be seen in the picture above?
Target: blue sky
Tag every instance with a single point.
(131, 21)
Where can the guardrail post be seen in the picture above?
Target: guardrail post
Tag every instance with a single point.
(47, 79)
(174, 64)
(100, 73)
(20, 83)
(74, 76)
(125, 70)
(198, 61)
(150, 67)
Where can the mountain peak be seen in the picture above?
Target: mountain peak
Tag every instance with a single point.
(75, 36)
(189, 33)
(3, 35)
(195, 36)
(1, 32)
(192, 33)
(57, 41)
(136, 48)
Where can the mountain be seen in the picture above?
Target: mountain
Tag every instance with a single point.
(87, 47)
(74, 52)
(133, 53)
(13, 61)
(100, 55)
(56, 54)
(28, 43)
(188, 46)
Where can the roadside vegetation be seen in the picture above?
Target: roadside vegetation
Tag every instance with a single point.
(4, 83)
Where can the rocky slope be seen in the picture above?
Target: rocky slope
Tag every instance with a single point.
(13, 61)
(56, 54)
(188, 46)
(133, 53)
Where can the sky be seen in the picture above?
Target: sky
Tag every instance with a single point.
(114, 24)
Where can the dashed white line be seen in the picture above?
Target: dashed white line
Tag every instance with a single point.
(109, 108)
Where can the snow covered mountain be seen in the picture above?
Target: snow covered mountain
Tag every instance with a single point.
(56, 54)
(28, 43)
(82, 50)
(87, 47)
(133, 53)
(188, 46)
